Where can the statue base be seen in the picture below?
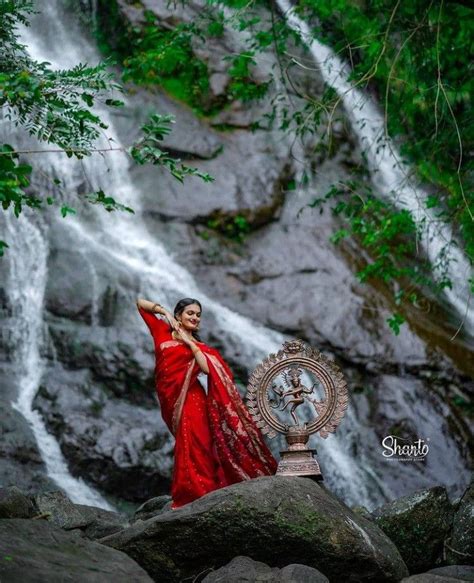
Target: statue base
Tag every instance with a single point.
(299, 463)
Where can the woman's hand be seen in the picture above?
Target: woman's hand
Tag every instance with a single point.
(181, 334)
(172, 320)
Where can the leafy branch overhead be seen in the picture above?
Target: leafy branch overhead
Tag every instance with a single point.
(56, 107)
(147, 150)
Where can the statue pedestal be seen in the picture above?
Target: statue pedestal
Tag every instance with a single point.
(299, 463)
(298, 460)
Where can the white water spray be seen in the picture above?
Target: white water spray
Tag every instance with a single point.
(27, 255)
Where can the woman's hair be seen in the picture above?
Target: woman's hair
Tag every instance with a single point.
(183, 304)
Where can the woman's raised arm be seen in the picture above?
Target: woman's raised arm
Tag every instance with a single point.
(155, 308)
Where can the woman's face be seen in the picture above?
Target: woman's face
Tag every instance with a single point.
(191, 317)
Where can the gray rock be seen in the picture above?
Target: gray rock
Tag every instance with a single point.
(362, 511)
(246, 570)
(59, 510)
(461, 572)
(131, 457)
(417, 524)
(275, 520)
(92, 523)
(153, 507)
(285, 275)
(14, 504)
(301, 574)
(100, 522)
(243, 570)
(429, 578)
(460, 544)
(34, 551)
(449, 574)
(20, 461)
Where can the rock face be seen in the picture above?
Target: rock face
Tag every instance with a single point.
(418, 525)
(89, 521)
(243, 569)
(35, 551)
(460, 548)
(285, 275)
(55, 507)
(14, 504)
(131, 456)
(452, 574)
(152, 507)
(275, 520)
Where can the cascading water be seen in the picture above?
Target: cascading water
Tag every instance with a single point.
(123, 242)
(27, 279)
(390, 174)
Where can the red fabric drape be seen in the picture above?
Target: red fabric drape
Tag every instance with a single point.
(217, 441)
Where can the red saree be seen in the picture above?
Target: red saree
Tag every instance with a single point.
(216, 440)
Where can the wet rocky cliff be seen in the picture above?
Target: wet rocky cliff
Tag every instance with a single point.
(284, 278)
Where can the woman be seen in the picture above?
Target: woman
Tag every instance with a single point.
(217, 441)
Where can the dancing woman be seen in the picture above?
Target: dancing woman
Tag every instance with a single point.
(216, 440)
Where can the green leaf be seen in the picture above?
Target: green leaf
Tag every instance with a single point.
(395, 321)
(3, 245)
(114, 103)
(65, 210)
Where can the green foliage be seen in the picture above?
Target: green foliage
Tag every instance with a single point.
(242, 86)
(395, 321)
(153, 55)
(55, 107)
(51, 105)
(417, 57)
(233, 227)
(389, 235)
(14, 177)
(147, 150)
(159, 56)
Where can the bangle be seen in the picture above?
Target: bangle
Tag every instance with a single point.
(153, 307)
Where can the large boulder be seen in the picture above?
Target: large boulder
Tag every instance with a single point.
(418, 524)
(460, 545)
(35, 550)
(245, 569)
(276, 520)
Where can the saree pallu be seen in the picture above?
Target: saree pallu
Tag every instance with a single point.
(217, 441)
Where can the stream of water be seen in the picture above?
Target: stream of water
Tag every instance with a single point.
(391, 176)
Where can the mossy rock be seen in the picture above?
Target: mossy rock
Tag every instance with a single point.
(275, 520)
(36, 551)
(418, 524)
(460, 545)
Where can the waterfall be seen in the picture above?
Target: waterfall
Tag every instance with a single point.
(28, 252)
(123, 242)
(390, 174)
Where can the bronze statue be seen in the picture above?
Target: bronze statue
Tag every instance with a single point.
(297, 391)
(294, 357)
